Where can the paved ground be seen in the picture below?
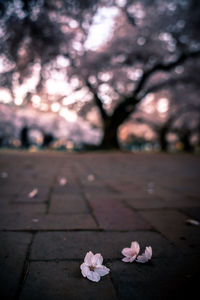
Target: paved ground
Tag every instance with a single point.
(110, 200)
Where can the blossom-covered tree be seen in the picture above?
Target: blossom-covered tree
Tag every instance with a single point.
(94, 56)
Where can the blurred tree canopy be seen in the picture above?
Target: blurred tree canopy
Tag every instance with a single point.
(104, 57)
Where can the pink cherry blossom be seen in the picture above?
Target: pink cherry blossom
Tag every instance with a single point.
(33, 193)
(146, 256)
(92, 267)
(131, 253)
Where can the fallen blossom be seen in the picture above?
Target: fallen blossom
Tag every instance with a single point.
(150, 188)
(62, 181)
(192, 222)
(4, 175)
(35, 220)
(92, 267)
(90, 177)
(33, 193)
(131, 253)
(146, 256)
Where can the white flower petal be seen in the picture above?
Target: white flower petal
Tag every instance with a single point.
(192, 222)
(126, 259)
(142, 258)
(93, 276)
(62, 181)
(146, 256)
(132, 258)
(135, 247)
(97, 260)
(127, 252)
(88, 258)
(84, 269)
(102, 270)
(148, 252)
(33, 193)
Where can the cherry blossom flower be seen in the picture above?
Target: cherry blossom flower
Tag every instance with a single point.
(62, 181)
(33, 193)
(92, 267)
(91, 177)
(131, 253)
(146, 256)
(4, 175)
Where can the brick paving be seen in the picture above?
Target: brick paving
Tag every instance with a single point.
(110, 200)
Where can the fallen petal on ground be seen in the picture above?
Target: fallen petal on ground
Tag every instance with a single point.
(92, 267)
(131, 253)
(33, 193)
(63, 181)
(91, 177)
(192, 222)
(146, 256)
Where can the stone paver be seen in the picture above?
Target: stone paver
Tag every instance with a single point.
(192, 212)
(129, 197)
(165, 202)
(22, 208)
(63, 280)
(65, 204)
(173, 225)
(74, 245)
(46, 222)
(111, 213)
(23, 195)
(13, 249)
(174, 278)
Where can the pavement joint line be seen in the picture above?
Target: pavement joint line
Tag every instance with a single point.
(161, 209)
(48, 201)
(89, 207)
(85, 198)
(79, 230)
(105, 260)
(25, 269)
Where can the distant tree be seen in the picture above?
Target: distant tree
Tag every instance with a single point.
(47, 140)
(175, 117)
(25, 143)
(150, 45)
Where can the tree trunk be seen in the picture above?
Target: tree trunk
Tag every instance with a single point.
(110, 138)
(163, 139)
(185, 139)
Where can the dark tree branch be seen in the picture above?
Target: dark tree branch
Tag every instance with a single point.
(163, 67)
(98, 101)
(126, 107)
(174, 115)
(163, 84)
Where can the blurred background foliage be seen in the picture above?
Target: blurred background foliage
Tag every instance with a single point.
(105, 74)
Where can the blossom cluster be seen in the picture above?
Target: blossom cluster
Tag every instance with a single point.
(93, 267)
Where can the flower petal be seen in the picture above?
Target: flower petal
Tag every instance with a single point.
(84, 269)
(135, 247)
(33, 193)
(148, 252)
(127, 252)
(97, 260)
(102, 270)
(126, 259)
(132, 258)
(142, 258)
(93, 276)
(146, 256)
(88, 258)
